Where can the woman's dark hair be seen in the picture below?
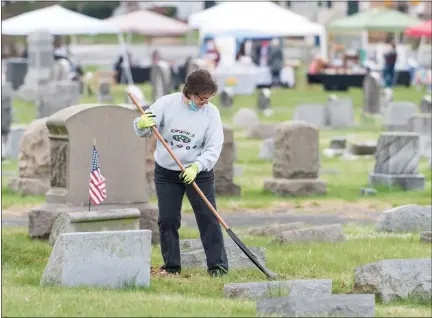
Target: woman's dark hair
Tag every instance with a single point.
(199, 82)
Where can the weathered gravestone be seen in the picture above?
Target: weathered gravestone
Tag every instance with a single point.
(397, 114)
(422, 124)
(224, 168)
(337, 147)
(95, 221)
(6, 111)
(227, 97)
(426, 236)
(40, 62)
(296, 161)
(261, 131)
(160, 77)
(13, 141)
(245, 118)
(58, 95)
(426, 104)
(266, 149)
(110, 259)
(396, 161)
(406, 218)
(340, 113)
(264, 99)
(16, 69)
(274, 229)
(371, 94)
(34, 161)
(72, 132)
(315, 114)
(325, 233)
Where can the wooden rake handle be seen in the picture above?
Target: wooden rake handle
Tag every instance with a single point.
(161, 139)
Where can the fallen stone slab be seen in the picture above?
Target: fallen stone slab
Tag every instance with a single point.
(396, 279)
(94, 221)
(275, 229)
(110, 259)
(406, 218)
(355, 305)
(236, 258)
(257, 290)
(194, 244)
(325, 233)
(426, 236)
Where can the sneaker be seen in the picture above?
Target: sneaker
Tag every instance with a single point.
(217, 271)
(171, 270)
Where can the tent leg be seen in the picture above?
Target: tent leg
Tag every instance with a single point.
(126, 63)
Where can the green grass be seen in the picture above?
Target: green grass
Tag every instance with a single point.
(342, 187)
(194, 293)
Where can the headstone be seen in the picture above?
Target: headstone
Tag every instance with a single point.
(274, 229)
(110, 259)
(224, 168)
(395, 279)
(194, 244)
(368, 192)
(6, 110)
(354, 305)
(72, 132)
(196, 258)
(337, 147)
(363, 148)
(397, 114)
(227, 97)
(259, 290)
(58, 95)
(261, 131)
(426, 104)
(264, 99)
(296, 161)
(426, 236)
(16, 70)
(40, 63)
(34, 161)
(422, 124)
(326, 233)
(340, 113)
(95, 221)
(160, 77)
(266, 149)
(245, 118)
(13, 142)
(406, 218)
(315, 114)
(396, 161)
(371, 94)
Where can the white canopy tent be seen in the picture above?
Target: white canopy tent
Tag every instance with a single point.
(262, 17)
(61, 21)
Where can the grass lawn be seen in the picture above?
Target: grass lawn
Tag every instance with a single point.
(193, 293)
(343, 186)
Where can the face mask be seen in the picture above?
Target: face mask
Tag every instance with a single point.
(193, 106)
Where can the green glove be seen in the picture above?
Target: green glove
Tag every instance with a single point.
(146, 121)
(190, 173)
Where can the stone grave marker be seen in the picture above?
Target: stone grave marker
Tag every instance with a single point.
(72, 132)
(40, 63)
(371, 94)
(95, 221)
(34, 161)
(396, 161)
(58, 95)
(160, 77)
(340, 113)
(245, 118)
(426, 104)
(109, 259)
(426, 236)
(13, 141)
(315, 114)
(16, 69)
(266, 149)
(405, 218)
(227, 97)
(325, 233)
(397, 114)
(261, 131)
(275, 229)
(296, 161)
(337, 147)
(224, 168)
(264, 99)
(6, 110)
(422, 124)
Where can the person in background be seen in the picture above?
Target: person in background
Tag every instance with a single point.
(275, 61)
(390, 58)
(192, 127)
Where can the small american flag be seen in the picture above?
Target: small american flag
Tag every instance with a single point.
(97, 181)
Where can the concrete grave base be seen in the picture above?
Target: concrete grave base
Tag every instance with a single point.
(407, 182)
(95, 221)
(113, 259)
(42, 218)
(295, 187)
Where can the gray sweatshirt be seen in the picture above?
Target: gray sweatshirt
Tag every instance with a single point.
(193, 136)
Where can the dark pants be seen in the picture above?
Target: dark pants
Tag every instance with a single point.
(389, 75)
(170, 190)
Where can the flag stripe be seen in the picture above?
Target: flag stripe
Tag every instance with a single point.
(97, 190)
